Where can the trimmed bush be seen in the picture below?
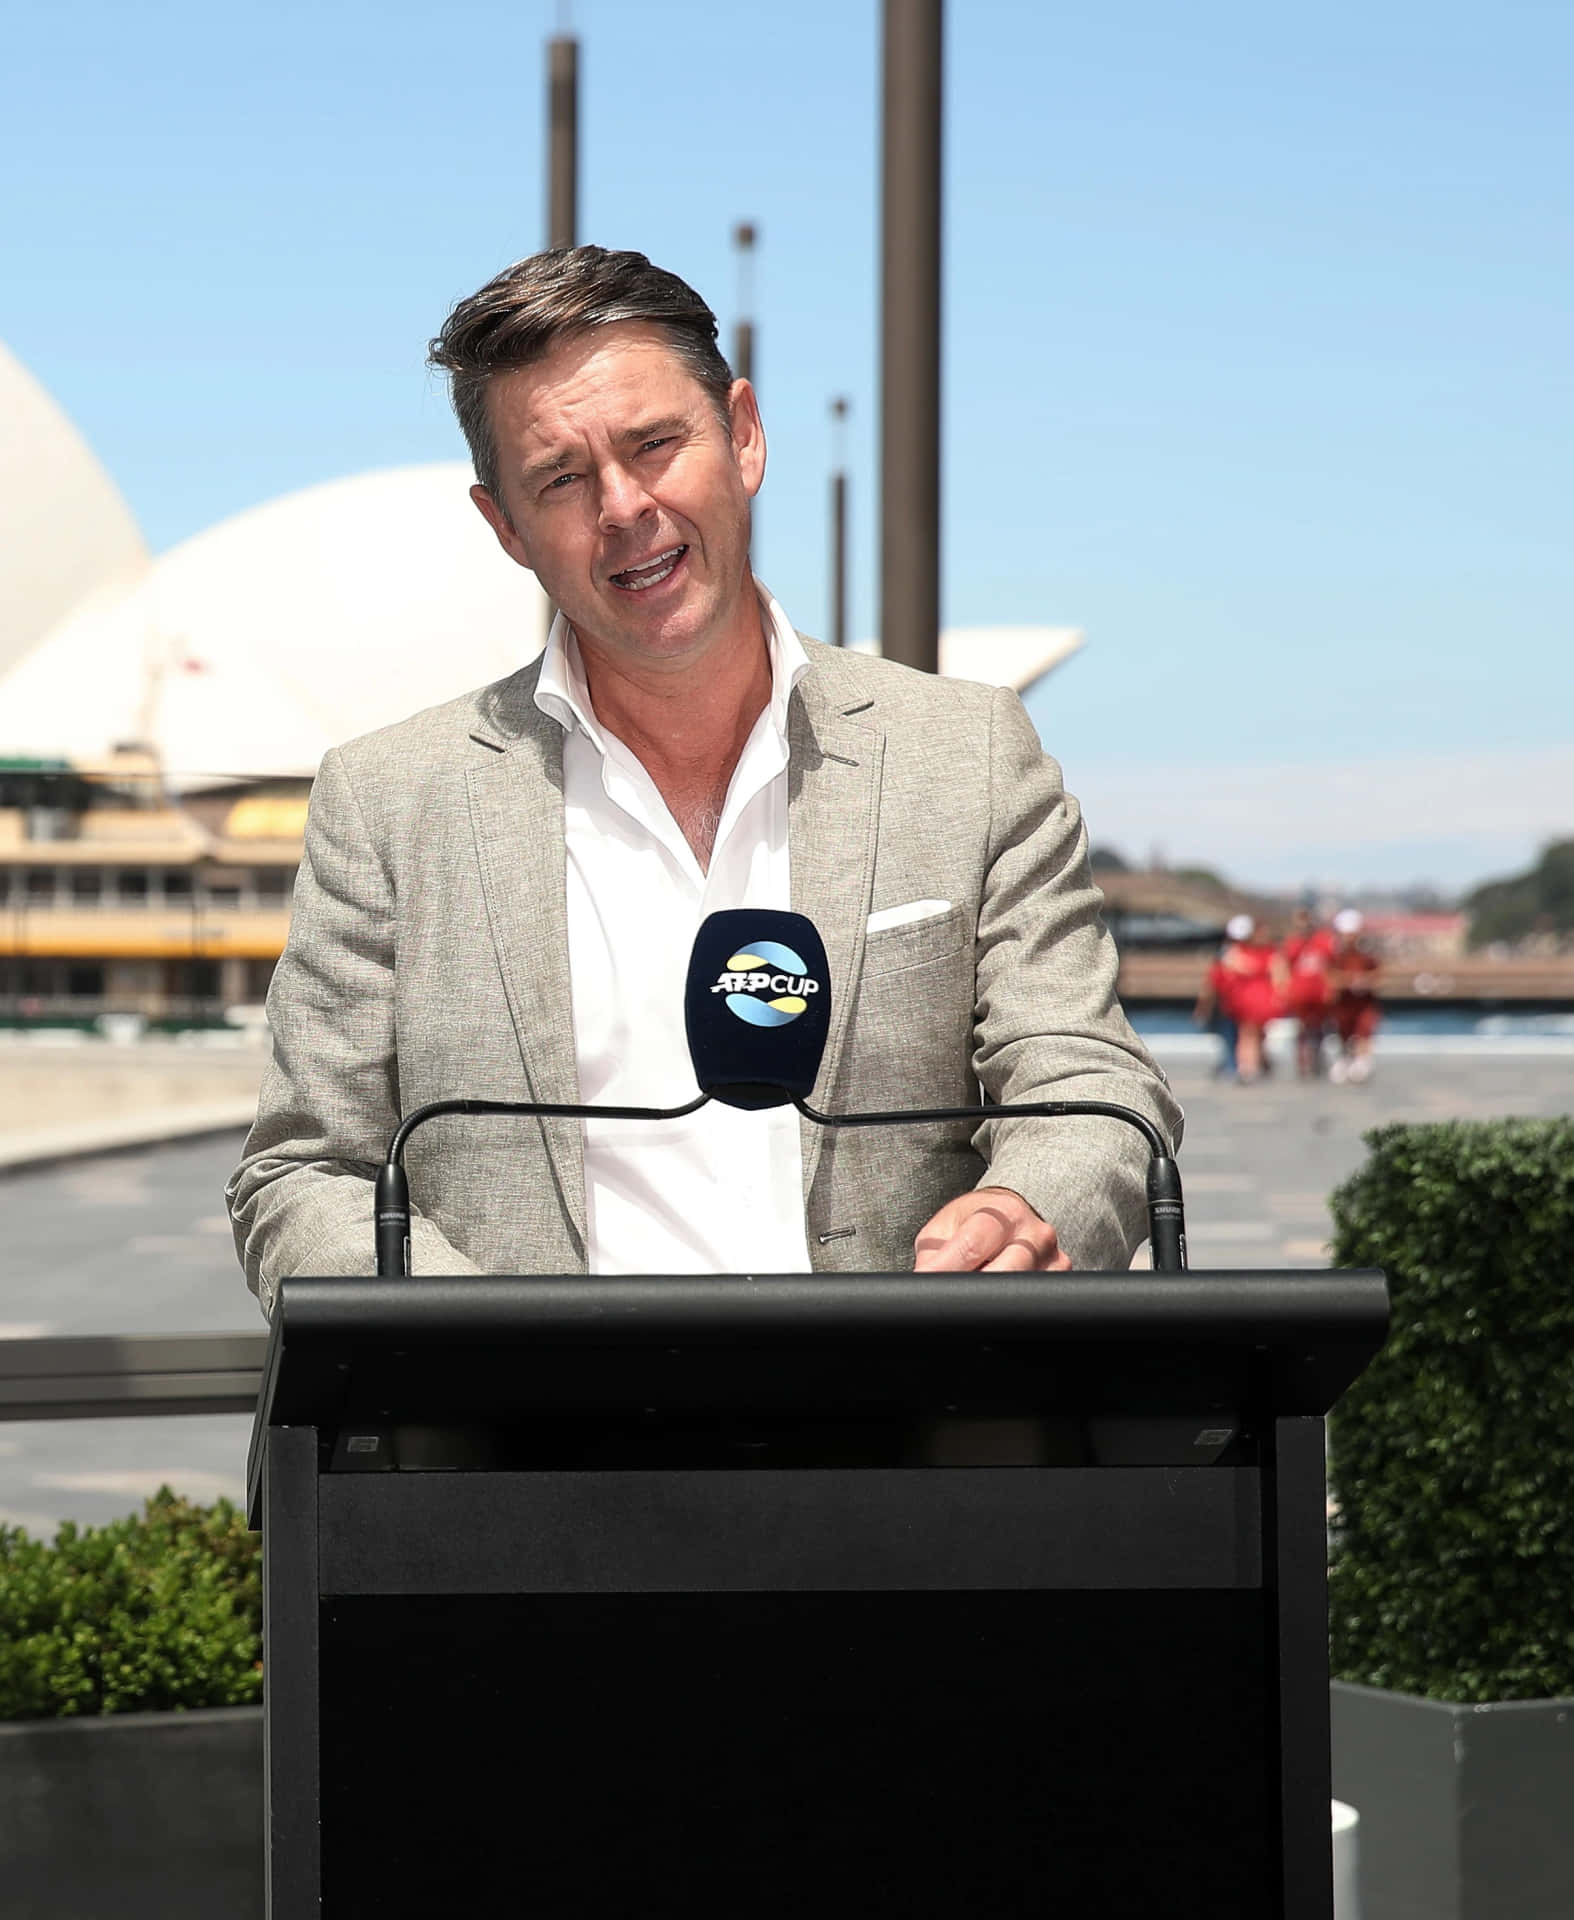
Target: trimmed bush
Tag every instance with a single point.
(157, 1611)
(1452, 1568)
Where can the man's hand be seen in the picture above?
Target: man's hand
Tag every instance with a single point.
(990, 1230)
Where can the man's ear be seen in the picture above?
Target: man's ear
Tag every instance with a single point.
(748, 435)
(495, 514)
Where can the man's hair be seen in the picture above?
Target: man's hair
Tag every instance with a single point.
(522, 312)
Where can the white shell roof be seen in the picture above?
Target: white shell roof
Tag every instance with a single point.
(253, 647)
(65, 532)
(1016, 657)
(1006, 656)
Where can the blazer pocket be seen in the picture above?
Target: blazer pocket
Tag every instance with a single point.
(907, 914)
(894, 949)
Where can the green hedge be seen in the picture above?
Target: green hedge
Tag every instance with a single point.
(157, 1611)
(1452, 1464)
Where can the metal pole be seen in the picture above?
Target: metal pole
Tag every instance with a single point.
(744, 236)
(910, 335)
(839, 530)
(562, 172)
(838, 559)
(562, 140)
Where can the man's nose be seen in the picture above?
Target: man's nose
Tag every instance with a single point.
(623, 499)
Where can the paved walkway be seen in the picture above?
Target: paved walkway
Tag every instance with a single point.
(138, 1243)
(1259, 1162)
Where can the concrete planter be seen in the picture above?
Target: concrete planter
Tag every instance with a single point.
(1467, 1813)
(147, 1816)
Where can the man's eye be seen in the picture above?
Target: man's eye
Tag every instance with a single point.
(662, 442)
(557, 485)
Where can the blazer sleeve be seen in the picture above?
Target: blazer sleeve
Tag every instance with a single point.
(1047, 1023)
(301, 1199)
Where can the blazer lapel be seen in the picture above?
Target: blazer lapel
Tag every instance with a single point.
(516, 812)
(833, 810)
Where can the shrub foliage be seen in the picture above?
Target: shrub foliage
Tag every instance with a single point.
(1452, 1571)
(159, 1610)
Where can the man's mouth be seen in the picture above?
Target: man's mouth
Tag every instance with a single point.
(649, 573)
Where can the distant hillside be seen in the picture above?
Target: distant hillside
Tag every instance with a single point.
(1193, 893)
(1538, 902)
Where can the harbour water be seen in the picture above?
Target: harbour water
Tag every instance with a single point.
(1404, 1023)
(1406, 1033)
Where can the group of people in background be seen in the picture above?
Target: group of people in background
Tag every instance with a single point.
(1325, 978)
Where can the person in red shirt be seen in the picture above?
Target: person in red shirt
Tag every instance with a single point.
(1249, 979)
(1210, 1010)
(1353, 974)
(1308, 952)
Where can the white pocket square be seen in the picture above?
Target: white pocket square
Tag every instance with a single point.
(904, 916)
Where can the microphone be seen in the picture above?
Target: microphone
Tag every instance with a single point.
(757, 1009)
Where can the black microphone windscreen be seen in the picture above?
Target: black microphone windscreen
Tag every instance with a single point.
(757, 1007)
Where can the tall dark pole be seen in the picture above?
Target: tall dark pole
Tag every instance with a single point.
(910, 335)
(839, 529)
(562, 168)
(562, 140)
(744, 236)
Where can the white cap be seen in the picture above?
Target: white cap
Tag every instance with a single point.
(1239, 926)
(1349, 920)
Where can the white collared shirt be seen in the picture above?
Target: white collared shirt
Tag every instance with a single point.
(722, 1191)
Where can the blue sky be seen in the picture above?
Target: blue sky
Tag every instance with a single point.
(1257, 328)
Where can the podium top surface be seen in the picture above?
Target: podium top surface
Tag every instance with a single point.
(552, 1336)
(1227, 1308)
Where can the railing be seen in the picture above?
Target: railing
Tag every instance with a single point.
(1473, 980)
(138, 1375)
(84, 1010)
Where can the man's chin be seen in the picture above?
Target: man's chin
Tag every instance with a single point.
(656, 633)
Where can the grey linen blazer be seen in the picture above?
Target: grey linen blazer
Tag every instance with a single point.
(428, 958)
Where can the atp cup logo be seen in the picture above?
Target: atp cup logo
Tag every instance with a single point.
(767, 984)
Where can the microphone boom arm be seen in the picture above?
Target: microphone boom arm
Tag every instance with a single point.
(1166, 1206)
(532, 1109)
(391, 1199)
(756, 1057)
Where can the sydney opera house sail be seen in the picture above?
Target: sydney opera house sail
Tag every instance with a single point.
(65, 532)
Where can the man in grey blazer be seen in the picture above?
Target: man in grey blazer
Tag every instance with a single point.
(490, 887)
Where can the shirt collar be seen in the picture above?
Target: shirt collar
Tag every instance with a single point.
(563, 693)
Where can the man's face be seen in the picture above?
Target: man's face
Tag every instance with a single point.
(626, 496)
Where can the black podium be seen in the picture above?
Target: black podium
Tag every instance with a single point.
(980, 1595)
